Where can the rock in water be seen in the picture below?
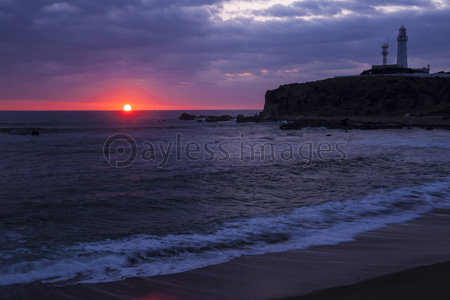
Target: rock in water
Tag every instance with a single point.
(218, 118)
(187, 117)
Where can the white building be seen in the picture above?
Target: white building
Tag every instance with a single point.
(402, 56)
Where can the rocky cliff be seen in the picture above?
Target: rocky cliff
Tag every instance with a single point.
(360, 96)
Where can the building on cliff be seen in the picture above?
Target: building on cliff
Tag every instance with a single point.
(401, 67)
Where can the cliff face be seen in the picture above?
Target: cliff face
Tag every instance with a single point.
(362, 95)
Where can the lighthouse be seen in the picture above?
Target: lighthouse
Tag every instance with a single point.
(402, 58)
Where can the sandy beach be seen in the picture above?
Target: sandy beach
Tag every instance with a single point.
(395, 248)
(426, 282)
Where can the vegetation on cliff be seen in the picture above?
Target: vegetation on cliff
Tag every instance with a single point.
(361, 96)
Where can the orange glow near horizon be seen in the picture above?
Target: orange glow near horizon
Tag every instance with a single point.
(38, 105)
(29, 105)
(113, 98)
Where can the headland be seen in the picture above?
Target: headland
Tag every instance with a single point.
(365, 102)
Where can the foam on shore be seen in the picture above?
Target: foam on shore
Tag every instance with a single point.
(393, 248)
(326, 223)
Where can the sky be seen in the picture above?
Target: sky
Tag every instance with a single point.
(200, 54)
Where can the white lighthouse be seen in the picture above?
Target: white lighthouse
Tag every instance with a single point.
(402, 61)
(402, 58)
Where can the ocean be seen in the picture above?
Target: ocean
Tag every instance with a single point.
(101, 196)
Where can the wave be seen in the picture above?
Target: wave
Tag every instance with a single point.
(325, 223)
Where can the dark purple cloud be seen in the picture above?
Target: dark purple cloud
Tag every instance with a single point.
(188, 52)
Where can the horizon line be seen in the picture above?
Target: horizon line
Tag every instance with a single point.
(120, 110)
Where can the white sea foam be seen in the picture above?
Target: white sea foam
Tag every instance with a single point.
(326, 223)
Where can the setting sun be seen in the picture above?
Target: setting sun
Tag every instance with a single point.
(127, 107)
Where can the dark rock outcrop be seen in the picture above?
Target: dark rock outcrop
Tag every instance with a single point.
(187, 117)
(242, 119)
(360, 96)
(338, 124)
(223, 118)
(23, 131)
(211, 119)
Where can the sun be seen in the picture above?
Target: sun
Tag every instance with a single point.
(127, 107)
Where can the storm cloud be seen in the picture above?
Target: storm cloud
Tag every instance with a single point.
(204, 53)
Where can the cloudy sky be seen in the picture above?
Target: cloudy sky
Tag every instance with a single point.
(192, 54)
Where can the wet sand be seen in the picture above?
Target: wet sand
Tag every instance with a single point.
(427, 282)
(398, 247)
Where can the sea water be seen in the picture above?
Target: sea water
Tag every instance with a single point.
(103, 196)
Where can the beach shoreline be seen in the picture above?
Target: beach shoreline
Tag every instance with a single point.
(424, 282)
(394, 248)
